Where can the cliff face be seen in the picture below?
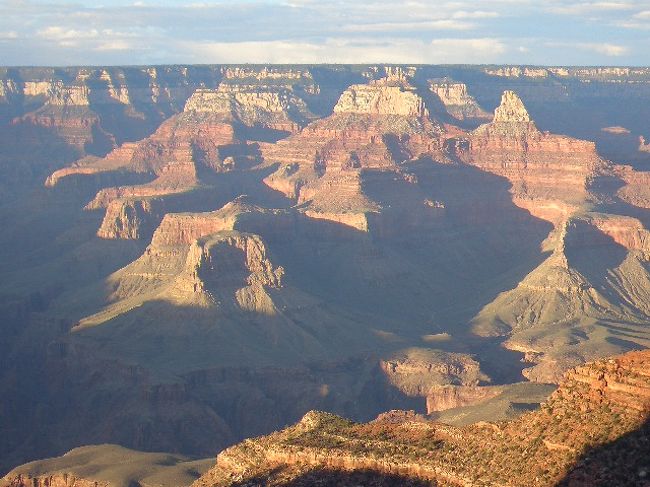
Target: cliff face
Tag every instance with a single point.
(275, 108)
(456, 100)
(549, 314)
(417, 371)
(540, 166)
(595, 404)
(187, 151)
(387, 100)
(374, 127)
(94, 109)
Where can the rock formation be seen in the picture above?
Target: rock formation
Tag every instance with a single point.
(542, 168)
(186, 152)
(374, 127)
(557, 310)
(417, 371)
(456, 100)
(596, 404)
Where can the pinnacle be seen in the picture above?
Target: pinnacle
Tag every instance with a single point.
(511, 109)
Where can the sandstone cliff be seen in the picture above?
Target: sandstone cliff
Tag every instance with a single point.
(551, 175)
(456, 100)
(417, 371)
(373, 127)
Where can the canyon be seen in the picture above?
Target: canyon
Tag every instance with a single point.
(590, 431)
(195, 255)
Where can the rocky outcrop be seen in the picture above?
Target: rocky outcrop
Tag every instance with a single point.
(94, 110)
(584, 73)
(185, 228)
(635, 186)
(511, 110)
(594, 405)
(643, 145)
(374, 127)
(380, 99)
(416, 372)
(456, 100)
(234, 263)
(552, 315)
(130, 218)
(366, 120)
(199, 259)
(55, 480)
(444, 397)
(189, 149)
(540, 166)
(274, 108)
(622, 382)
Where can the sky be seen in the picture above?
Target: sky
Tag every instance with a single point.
(119, 32)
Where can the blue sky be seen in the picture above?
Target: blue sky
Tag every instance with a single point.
(561, 32)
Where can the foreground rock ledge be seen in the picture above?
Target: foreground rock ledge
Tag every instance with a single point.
(598, 414)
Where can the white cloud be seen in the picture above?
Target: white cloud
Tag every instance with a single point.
(583, 8)
(116, 45)
(445, 50)
(173, 31)
(476, 14)
(443, 24)
(630, 24)
(61, 33)
(603, 48)
(467, 50)
(612, 50)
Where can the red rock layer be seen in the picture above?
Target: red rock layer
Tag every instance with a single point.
(442, 398)
(539, 165)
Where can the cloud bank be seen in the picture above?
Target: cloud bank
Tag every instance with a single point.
(65, 32)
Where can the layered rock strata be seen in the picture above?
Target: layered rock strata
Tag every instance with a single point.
(595, 405)
(456, 100)
(553, 170)
(374, 127)
(187, 151)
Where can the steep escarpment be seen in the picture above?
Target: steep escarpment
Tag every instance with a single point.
(276, 108)
(417, 371)
(456, 100)
(196, 259)
(550, 174)
(67, 113)
(595, 405)
(188, 151)
(374, 127)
